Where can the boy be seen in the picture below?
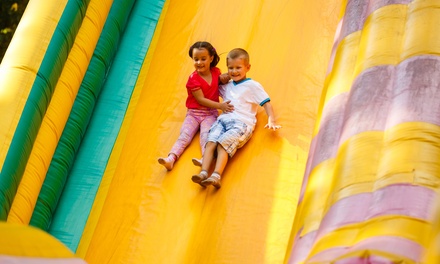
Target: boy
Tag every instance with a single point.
(233, 129)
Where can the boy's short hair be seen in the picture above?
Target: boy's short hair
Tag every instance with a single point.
(238, 53)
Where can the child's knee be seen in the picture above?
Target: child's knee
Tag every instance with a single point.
(221, 149)
(211, 145)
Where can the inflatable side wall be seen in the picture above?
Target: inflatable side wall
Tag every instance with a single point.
(370, 189)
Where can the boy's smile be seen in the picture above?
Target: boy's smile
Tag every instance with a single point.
(237, 69)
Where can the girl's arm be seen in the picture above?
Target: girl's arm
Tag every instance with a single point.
(224, 78)
(200, 97)
(271, 123)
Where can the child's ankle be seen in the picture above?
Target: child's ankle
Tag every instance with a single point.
(168, 162)
(172, 157)
(216, 175)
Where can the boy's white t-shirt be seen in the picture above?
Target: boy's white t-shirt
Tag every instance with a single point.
(246, 96)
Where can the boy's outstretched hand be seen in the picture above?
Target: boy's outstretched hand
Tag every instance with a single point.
(272, 126)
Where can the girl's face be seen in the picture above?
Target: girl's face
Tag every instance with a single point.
(202, 60)
(237, 69)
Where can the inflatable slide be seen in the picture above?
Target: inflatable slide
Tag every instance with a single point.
(92, 92)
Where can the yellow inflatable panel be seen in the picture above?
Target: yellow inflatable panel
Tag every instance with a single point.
(25, 244)
(58, 112)
(21, 62)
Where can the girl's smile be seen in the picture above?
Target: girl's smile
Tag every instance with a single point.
(202, 61)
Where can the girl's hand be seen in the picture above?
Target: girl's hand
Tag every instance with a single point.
(224, 78)
(226, 107)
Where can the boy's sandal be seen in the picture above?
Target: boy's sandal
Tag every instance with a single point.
(214, 180)
(198, 178)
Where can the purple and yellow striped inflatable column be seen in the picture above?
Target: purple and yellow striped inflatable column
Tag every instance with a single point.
(373, 170)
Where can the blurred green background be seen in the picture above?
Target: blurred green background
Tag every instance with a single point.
(11, 12)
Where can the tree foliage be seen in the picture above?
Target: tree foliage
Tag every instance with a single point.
(11, 12)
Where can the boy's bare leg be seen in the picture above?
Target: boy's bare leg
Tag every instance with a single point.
(208, 157)
(222, 159)
(220, 165)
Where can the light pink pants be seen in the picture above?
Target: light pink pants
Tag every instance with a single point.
(195, 120)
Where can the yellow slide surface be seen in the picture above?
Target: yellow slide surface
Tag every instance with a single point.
(144, 214)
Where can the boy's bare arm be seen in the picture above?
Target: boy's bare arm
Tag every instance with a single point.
(271, 123)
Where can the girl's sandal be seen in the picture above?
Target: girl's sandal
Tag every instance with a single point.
(197, 162)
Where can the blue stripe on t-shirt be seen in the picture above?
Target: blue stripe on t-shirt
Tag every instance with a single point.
(264, 101)
(235, 83)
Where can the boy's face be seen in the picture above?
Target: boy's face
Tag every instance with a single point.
(237, 69)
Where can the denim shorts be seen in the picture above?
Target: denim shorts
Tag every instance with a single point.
(231, 134)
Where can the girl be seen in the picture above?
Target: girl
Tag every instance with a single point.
(202, 101)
